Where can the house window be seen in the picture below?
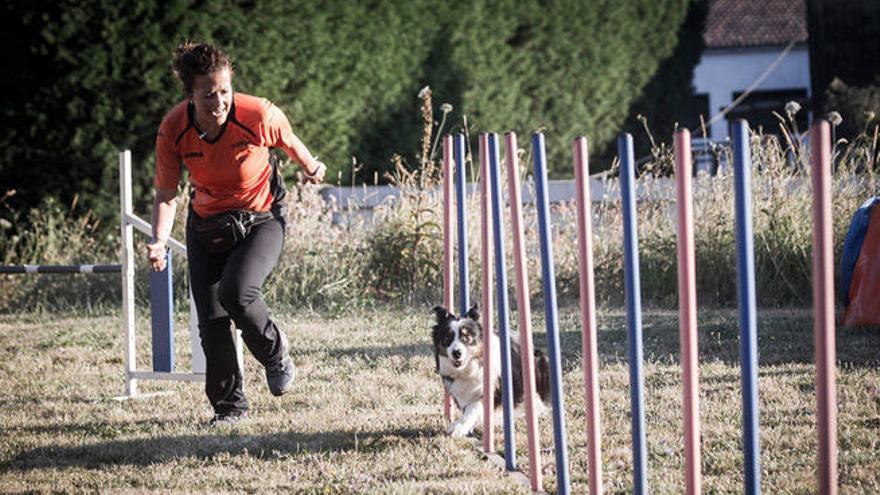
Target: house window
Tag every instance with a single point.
(758, 107)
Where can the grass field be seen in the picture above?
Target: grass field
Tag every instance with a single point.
(365, 416)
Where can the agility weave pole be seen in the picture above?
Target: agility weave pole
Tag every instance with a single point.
(524, 311)
(687, 311)
(823, 307)
(633, 311)
(589, 346)
(502, 302)
(485, 285)
(461, 209)
(822, 292)
(549, 285)
(448, 273)
(745, 271)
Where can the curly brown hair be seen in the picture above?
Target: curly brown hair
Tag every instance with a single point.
(195, 59)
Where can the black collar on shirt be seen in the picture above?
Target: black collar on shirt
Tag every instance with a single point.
(191, 113)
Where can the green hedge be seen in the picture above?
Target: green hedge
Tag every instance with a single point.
(92, 77)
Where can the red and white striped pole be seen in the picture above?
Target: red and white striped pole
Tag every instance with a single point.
(687, 312)
(588, 314)
(823, 307)
(524, 310)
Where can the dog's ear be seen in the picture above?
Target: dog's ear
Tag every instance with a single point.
(442, 314)
(474, 313)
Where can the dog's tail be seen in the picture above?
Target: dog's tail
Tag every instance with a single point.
(542, 376)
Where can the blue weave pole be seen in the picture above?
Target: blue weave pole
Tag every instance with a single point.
(461, 203)
(633, 311)
(161, 311)
(503, 304)
(549, 283)
(745, 291)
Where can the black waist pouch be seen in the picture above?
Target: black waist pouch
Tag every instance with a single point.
(221, 232)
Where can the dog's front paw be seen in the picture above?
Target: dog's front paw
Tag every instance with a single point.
(458, 429)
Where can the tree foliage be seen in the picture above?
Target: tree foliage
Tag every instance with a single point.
(92, 77)
(665, 102)
(859, 107)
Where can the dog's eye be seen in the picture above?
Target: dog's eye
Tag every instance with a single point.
(467, 338)
(448, 339)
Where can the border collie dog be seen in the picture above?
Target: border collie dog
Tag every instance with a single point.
(458, 356)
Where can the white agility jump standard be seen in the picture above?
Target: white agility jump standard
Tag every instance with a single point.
(161, 298)
(161, 301)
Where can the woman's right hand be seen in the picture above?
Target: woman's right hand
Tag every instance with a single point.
(156, 253)
(316, 176)
(164, 206)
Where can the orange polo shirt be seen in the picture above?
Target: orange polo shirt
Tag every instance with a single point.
(231, 171)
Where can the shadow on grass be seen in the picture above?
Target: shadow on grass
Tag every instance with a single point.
(148, 451)
(783, 337)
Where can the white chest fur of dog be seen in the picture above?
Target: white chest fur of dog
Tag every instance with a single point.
(459, 357)
(465, 383)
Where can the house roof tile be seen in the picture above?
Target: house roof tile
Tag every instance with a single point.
(742, 23)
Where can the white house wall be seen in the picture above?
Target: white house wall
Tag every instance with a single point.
(722, 72)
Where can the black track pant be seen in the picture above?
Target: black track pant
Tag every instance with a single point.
(226, 289)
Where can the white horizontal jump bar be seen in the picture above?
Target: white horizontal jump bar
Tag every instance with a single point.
(155, 375)
(147, 229)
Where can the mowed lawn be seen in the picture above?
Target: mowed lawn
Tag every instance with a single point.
(366, 417)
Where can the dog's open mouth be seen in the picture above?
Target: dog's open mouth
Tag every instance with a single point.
(456, 363)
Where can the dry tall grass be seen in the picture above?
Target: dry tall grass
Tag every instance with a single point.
(394, 257)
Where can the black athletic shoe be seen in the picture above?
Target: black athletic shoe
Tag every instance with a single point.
(229, 418)
(280, 375)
